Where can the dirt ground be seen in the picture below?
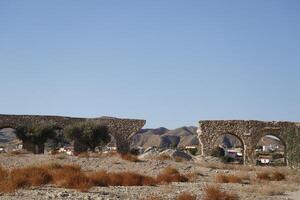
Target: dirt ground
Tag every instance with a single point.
(206, 173)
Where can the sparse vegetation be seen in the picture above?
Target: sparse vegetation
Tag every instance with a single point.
(214, 193)
(186, 196)
(169, 175)
(270, 176)
(218, 152)
(163, 157)
(222, 178)
(71, 176)
(89, 133)
(35, 136)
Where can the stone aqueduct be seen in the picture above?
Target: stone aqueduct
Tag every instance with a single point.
(120, 129)
(248, 132)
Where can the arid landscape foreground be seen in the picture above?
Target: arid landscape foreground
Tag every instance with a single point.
(155, 178)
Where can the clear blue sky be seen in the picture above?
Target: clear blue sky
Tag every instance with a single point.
(172, 62)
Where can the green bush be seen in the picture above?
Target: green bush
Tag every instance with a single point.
(89, 133)
(226, 159)
(218, 152)
(193, 151)
(37, 133)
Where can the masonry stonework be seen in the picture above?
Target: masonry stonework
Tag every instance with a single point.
(121, 129)
(249, 133)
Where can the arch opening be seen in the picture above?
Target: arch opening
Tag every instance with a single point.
(270, 150)
(9, 141)
(230, 148)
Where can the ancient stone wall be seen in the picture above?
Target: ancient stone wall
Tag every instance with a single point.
(121, 129)
(249, 133)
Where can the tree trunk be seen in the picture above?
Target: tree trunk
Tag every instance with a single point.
(79, 147)
(32, 147)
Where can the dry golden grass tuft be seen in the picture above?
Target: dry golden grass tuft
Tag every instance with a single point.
(270, 176)
(186, 196)
(18, 152)
(163, 157)
(130, 157)
(214, 193)
(3, 173)
(179, 159)
(71, 176)
(169, 175)
(263, 176)
(222, 178)
(277, 176)
(153, 198)
(193, 176)
(24, 178)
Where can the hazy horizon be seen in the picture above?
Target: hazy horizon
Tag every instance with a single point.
(171, 63)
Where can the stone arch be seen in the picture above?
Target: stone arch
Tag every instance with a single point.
(9, 139)
(250, 132)
(239, 138)
(273, 133)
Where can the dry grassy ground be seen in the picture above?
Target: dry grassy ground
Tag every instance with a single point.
(99, 178)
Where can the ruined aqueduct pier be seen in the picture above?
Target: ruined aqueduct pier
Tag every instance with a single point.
(121, 129)
(249, 133)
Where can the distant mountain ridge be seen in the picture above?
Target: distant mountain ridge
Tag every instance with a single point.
(163, 137)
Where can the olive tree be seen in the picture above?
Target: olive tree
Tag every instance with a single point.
(87, 135)
(35, 136)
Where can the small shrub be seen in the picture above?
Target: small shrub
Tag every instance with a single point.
(263, 176)
(18, 152)
(214, 193)
(163, 157)
(131, 179)
(192, 176)
(169, 175)
(100, 178)
(193, 151)
(227, 159)
(24, 178)
(178, 159)
(270, 176)
(153, 198)
(3, 173)
(218, 152)
(76, 180)
(186, 196)
(277, 176)
(221, 178)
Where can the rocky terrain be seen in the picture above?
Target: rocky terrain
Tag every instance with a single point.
(204, 170)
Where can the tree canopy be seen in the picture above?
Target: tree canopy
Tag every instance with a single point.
(90, 133)
(37, 133)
